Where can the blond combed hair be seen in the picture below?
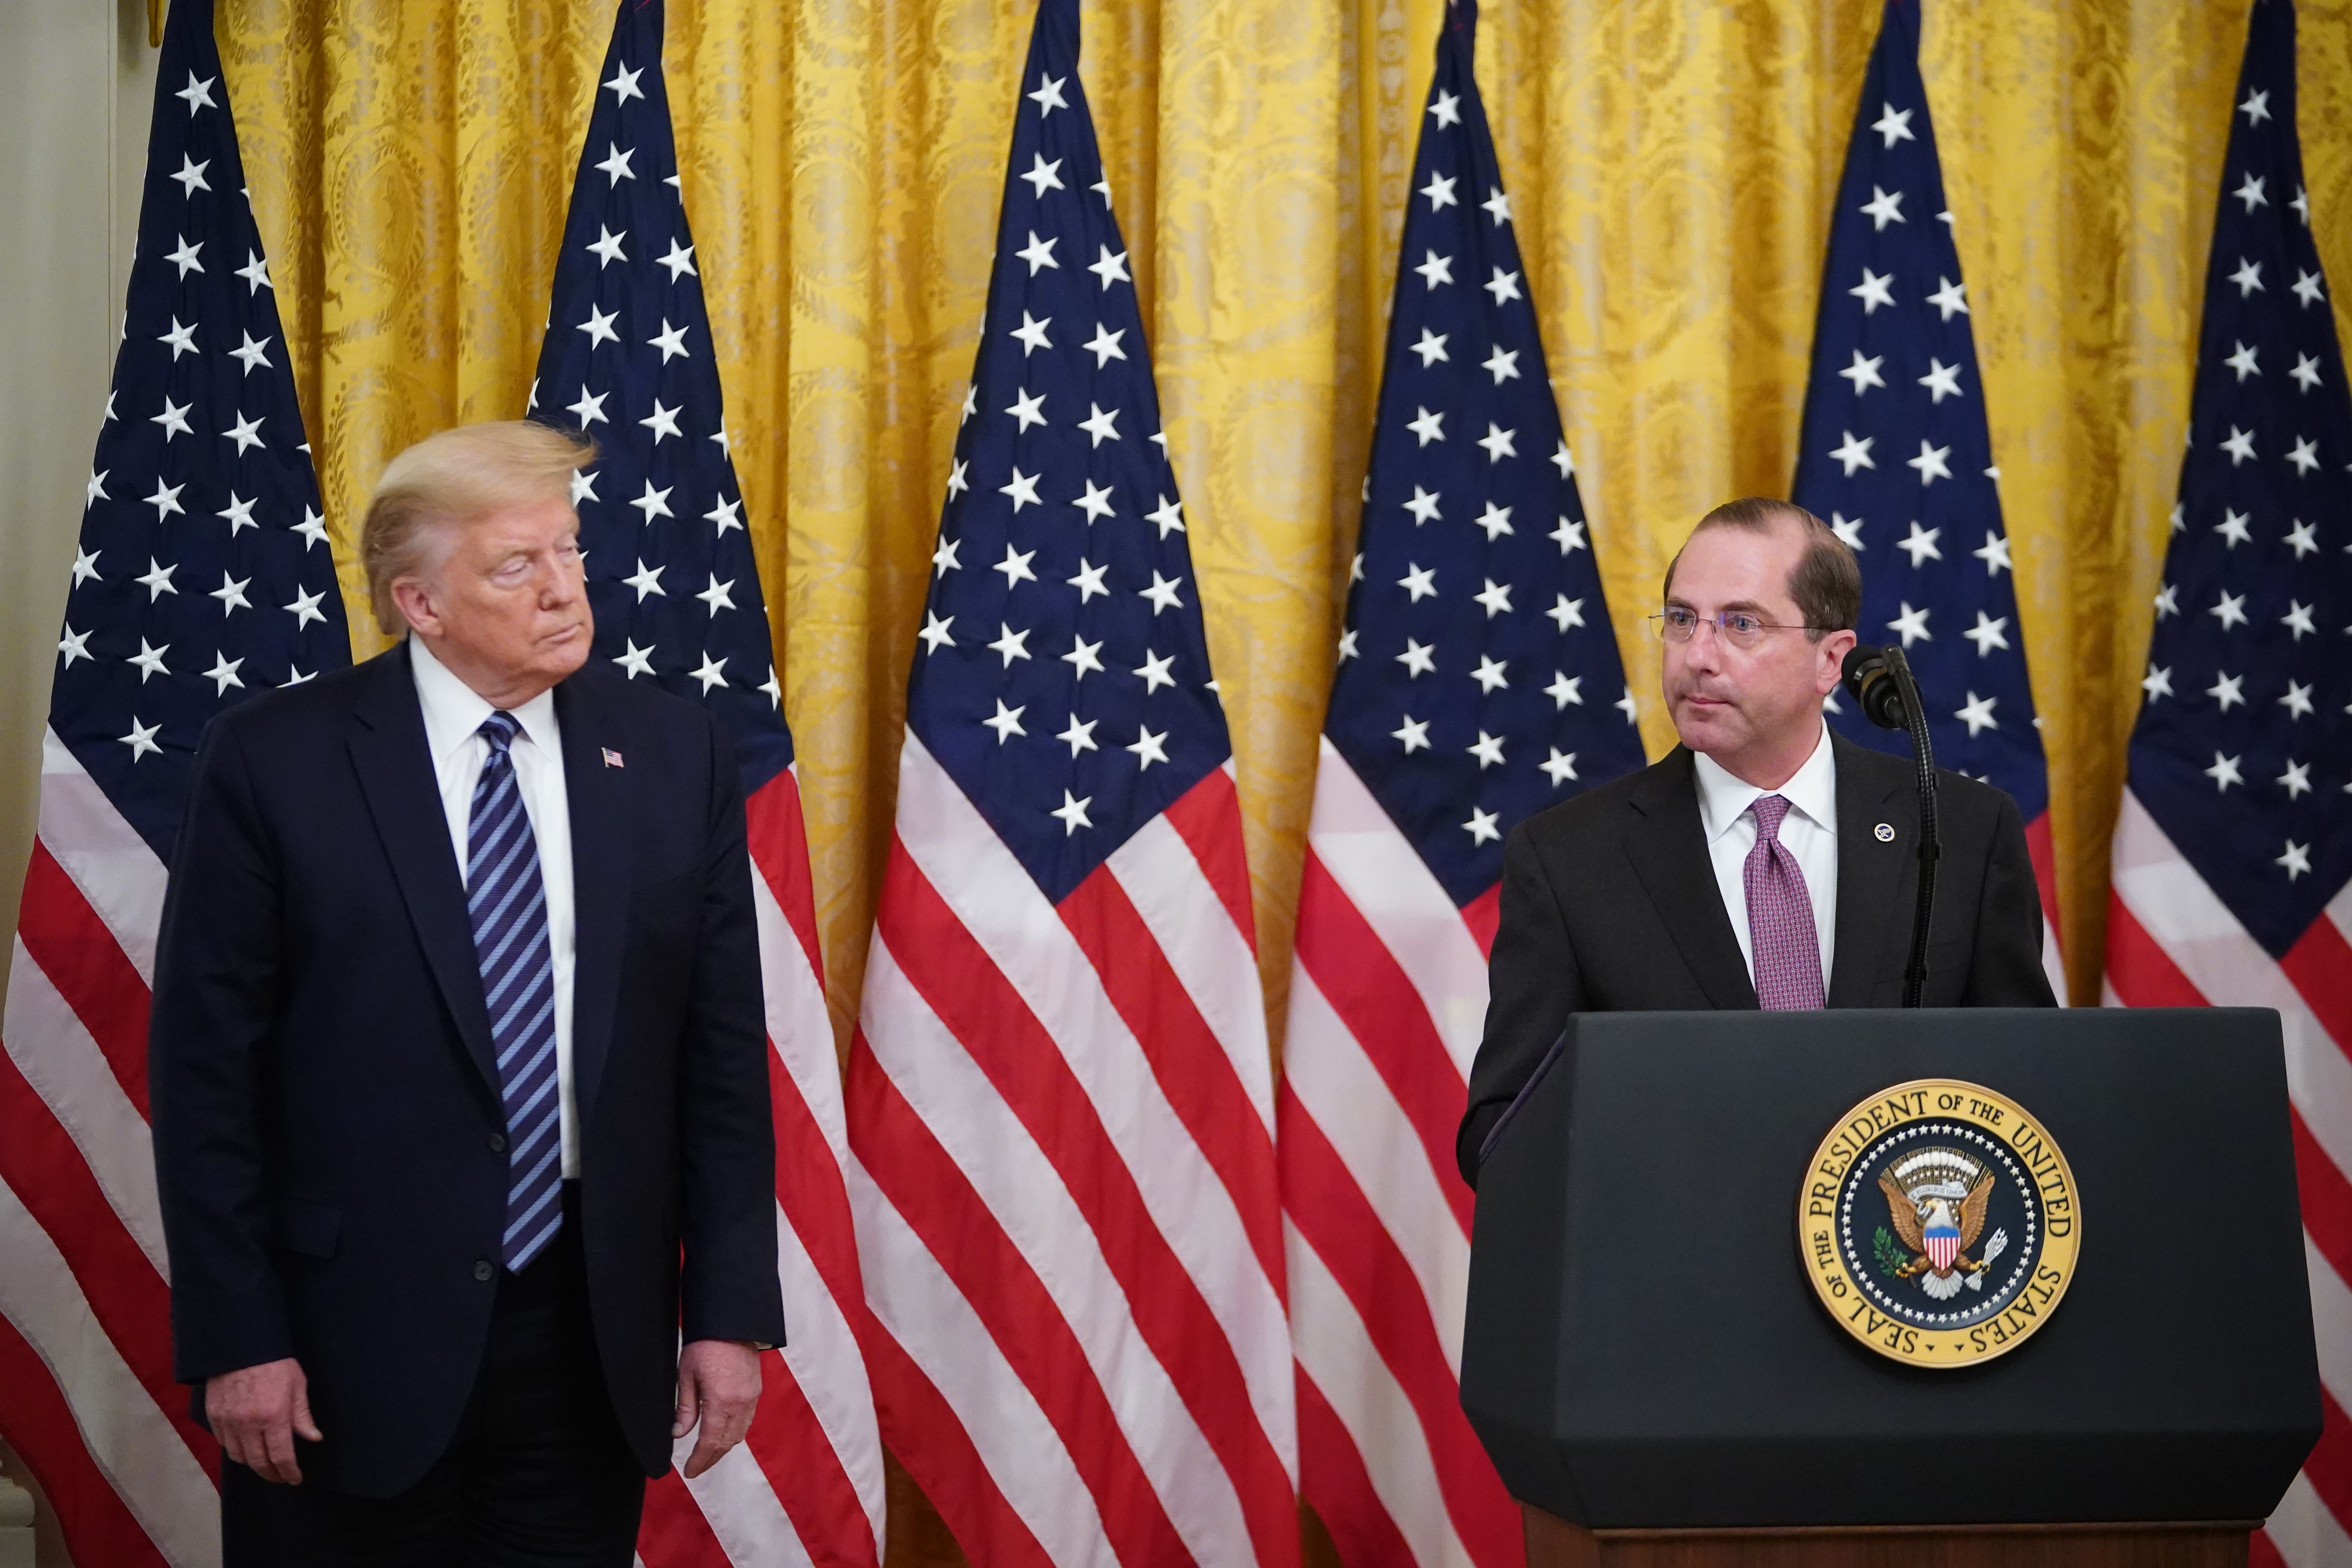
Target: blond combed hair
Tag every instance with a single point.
(455, 477)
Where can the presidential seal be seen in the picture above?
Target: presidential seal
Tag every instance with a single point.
(1940, 1222)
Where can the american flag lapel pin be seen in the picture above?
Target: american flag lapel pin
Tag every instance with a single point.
(613, 758)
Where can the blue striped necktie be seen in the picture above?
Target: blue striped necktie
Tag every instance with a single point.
(509, 905)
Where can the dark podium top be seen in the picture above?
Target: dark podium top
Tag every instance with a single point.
(1644, 1350)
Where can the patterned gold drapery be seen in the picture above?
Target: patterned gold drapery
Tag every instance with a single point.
(1671, 164)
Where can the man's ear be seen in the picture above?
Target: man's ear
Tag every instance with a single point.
(1832, 668)
(413, 599)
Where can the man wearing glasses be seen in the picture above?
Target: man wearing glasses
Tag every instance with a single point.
(1765, 862)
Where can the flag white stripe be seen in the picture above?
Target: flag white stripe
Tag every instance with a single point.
(128, 1438)
(2331, 1322)
(992, 897)
(741, 1509)
(1338, 1355)
(2204, 940)
(954, 1097)
(1337, 1085)
(47, 1040)
(2305, 1533)
(917, 1303)
(1389, 885)
(103, 854)
(1158, 872)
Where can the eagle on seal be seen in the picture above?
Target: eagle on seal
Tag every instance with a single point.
(1938, 1219)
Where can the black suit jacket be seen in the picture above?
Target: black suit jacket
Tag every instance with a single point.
(324, 1094)
(1610, 904)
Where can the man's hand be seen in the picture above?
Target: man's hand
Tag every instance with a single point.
(717, 1385)
(257, 1412)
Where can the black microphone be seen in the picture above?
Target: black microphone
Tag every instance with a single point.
(1870, 677)
(1882, 683)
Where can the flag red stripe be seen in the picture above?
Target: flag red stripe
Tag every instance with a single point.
(38, 1424)
(2261, 1554)
(923, 1431)
(941, 1206)
(673, 1533)
(1377, 1003)
(1194, 1071)
(2328, 1467)
(40, 1164)
(1208, 817)
(2326, 1198)
(810, 1188)
(84, 961)
(2141, 972)
(805, 1473)
(780, 850)
(955, 977)
(2319, 965)
(1335, 1219)
(1333, 1483)
(1484, 916)
(2043, 853)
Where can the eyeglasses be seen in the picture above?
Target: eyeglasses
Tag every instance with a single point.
(1741, 628)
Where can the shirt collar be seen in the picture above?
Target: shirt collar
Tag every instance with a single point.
(1724, 798)
(454, 711)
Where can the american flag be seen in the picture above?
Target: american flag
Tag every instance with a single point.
(1895, 454)
(2232, 871)
(628, 359)
(1061, 1112)
(201, 577)
(1478, 682)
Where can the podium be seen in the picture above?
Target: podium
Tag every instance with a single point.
(1647, 1362)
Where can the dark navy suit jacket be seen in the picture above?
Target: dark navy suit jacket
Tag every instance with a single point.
(326, 1100)
(1610, 904)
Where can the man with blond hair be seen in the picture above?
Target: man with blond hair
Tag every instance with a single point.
(1764, 862)
(458, 1066)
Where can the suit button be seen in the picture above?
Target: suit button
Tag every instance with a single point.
(483, 1270)
(497, 1142)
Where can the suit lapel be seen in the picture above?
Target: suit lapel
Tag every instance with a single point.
(598, 799)
(1876, 877)
(1667, 846)
(395, 770)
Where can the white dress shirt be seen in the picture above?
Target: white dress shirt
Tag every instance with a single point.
(454, 713)
(1809, 832)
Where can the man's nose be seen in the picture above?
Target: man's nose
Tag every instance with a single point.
(1704, 651)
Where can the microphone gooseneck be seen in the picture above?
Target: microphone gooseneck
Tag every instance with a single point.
(1881, 682)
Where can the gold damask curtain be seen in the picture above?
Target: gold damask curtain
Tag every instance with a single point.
(1671, 163)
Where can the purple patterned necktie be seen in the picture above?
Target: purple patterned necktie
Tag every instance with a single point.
(1780, 918)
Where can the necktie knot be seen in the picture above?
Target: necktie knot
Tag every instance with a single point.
(1771, 810)
(499, 729)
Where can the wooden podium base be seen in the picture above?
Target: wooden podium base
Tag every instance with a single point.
(1553, 1542)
